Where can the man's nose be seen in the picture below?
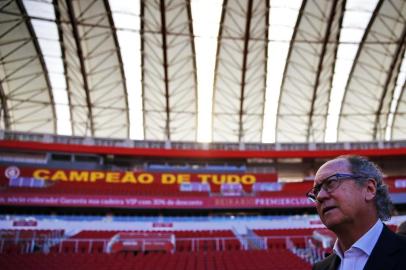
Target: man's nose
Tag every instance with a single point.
(322, 195)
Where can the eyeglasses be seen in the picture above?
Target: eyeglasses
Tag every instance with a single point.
(330, 184)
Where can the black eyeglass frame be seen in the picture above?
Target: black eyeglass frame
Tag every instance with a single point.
(312, 194)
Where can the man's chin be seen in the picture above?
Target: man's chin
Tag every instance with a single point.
(331, 222)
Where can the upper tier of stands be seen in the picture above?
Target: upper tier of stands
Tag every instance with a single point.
(98, 152)
(61, 139)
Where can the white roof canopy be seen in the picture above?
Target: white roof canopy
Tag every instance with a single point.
(205, 70)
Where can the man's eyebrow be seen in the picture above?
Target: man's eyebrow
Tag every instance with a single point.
(322, 181)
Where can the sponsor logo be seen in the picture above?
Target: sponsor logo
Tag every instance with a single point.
(12, 172)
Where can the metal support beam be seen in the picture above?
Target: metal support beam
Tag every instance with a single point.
(244, 69)
(295, 32)
(165, 66)
(4, 109)
(320, 65)
(41, 60)
(120, 60)
(356, 58)
(76, 36)
(391, 76)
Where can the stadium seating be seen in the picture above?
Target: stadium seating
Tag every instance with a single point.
(193, 248)
(235, 260)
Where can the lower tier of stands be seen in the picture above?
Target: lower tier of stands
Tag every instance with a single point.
(221, 249)
(179, 241)
(229, 260)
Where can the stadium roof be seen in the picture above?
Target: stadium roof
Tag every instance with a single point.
(205, 70)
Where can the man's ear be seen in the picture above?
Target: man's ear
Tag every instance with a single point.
(370, 189)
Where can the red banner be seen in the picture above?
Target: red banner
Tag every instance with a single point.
(166, 202)
(138, 177)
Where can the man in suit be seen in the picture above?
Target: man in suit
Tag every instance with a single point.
(352, 201)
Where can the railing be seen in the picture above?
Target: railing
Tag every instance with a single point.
(182, 244)
(50, 138)
(55, 245)
(207, 244)
(254, 241)
(310, 253)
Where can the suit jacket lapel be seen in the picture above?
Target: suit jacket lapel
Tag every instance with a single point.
(380, 257)
(334, 263)
(330, 263)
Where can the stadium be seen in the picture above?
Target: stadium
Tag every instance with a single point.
(185, 134)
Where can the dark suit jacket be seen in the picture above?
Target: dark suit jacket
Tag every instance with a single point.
(389, 253)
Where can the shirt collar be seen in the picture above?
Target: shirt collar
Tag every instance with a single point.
(366, 243)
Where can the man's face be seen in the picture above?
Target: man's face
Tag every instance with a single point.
(344, 204)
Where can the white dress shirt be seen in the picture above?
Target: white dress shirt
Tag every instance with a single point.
(357, 255)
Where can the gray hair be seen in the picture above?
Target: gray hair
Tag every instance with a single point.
(364, 167)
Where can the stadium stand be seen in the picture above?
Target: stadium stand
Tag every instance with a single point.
(238, 260)
(67, 210)
(137, 134)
